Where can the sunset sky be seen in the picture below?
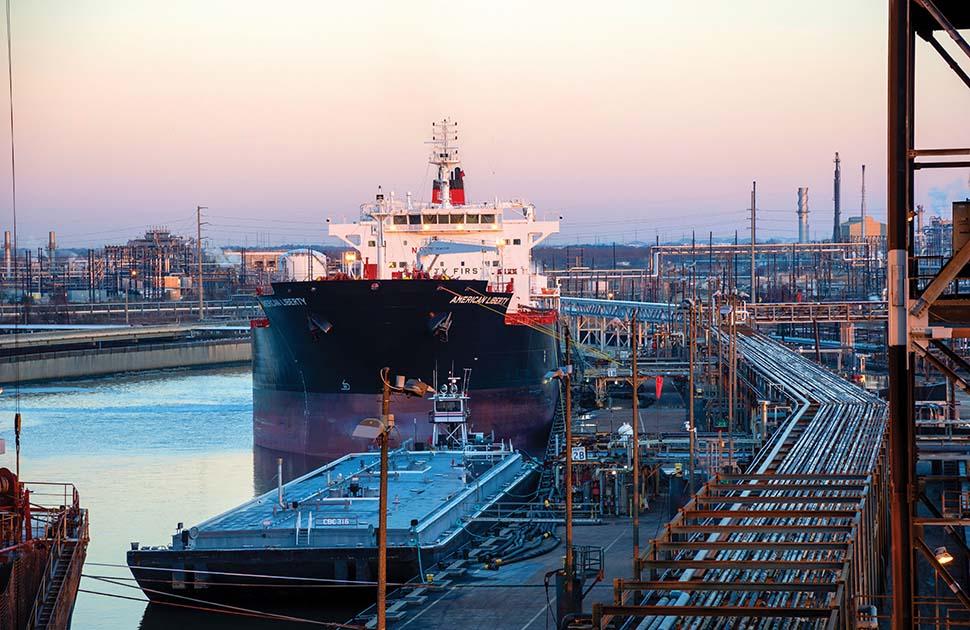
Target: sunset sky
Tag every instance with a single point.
(630, 119)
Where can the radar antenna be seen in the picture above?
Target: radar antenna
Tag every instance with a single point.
(444, 155)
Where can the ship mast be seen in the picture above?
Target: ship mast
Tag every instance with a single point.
(444, 155)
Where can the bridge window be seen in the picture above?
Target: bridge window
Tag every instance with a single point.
(429, 218)
(414, 219)
(488, 218)
(457, 219)
(447, 406)
(400, 219)
(471, 218)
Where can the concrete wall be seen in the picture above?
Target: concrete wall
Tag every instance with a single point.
(83, 363)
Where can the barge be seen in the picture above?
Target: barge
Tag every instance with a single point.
(320, 529)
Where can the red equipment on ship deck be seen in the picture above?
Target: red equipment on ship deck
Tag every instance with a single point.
(530, 317)
(43, 549)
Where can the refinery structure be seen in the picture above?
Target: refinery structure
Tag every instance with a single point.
(456, 419)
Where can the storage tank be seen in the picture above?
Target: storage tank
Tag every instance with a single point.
(300, 265)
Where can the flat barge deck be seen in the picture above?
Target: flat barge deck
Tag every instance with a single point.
(320, 529)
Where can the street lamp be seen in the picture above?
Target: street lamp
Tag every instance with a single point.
(132, 275)
(691, 428)
(559, 372)
(380, 429)
(564, 374)
(943, 556)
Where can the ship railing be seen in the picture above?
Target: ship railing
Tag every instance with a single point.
(69, 525)
(589, 561)
(471, 448)
(52, 493)
(10, 530)
(499, 286)
(531, 318)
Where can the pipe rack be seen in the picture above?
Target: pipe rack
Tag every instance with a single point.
(799, 539)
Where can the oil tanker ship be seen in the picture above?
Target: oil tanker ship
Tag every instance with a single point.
(425, 287)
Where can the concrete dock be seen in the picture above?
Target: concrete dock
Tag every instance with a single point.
(515, 596)
(57, 354)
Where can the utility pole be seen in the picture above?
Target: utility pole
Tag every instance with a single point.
(382, 507)
(198, 254)
(734, 264)
(634, 342)
(570, 568)
(754, 223)
(567, 381)
(732, 373)
(692, 339)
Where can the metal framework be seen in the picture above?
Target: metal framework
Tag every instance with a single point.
(820, 312)
(620, 311)
(915, 306)
(796, 541)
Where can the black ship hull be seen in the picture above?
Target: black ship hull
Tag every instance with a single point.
(316, 361)
(272, 577)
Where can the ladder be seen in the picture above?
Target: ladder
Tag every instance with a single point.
(554, 448)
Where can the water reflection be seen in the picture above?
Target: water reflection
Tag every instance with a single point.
(146, 452)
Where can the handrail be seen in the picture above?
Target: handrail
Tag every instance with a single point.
(71, 519)
(108, 308)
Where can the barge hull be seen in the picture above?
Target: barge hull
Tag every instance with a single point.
(234, 577)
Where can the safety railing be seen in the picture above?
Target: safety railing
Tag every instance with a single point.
(546, 512)
(67, 525)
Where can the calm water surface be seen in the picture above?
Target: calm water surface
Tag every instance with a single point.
(145, 452)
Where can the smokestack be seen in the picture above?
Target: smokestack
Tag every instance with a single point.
(837, 200)
(51, 243)
(863, 209)
(802, 215)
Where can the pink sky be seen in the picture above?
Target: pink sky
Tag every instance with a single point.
(627, 118)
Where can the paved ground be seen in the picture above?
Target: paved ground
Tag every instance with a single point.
(514, 596)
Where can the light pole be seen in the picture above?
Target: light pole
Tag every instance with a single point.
(570, 565)
(564, 374)
(635, 370)
(132, 274)
(691, 429)
(372, 428)
(198, 254)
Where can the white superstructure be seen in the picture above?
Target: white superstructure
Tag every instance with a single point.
(447, 238)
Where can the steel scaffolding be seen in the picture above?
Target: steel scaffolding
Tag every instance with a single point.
(920, 309)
